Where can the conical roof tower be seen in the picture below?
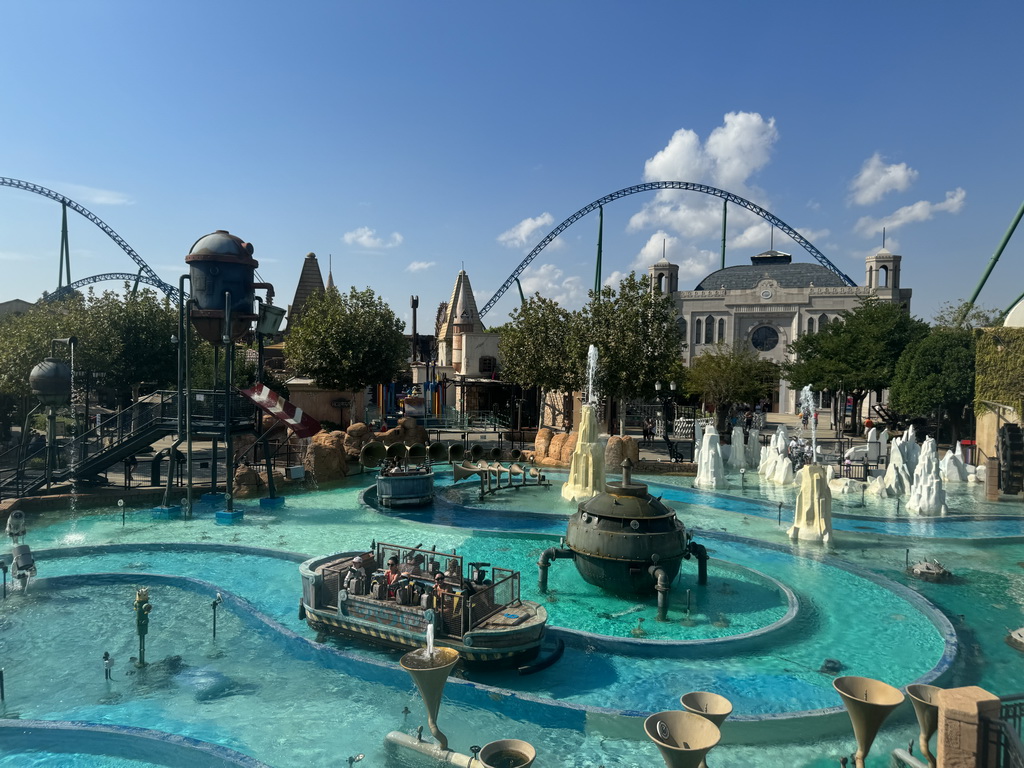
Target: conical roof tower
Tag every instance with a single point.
(310, 281)
(462, 317)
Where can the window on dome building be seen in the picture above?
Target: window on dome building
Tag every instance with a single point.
(709, 330)
(697, 331)
(810, 325)
(488, 364)
(721, 330)
(765, 338)
(822, 322)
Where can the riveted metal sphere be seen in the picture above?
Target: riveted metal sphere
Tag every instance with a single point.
(221, 263)
(51, 382)
(619, 534)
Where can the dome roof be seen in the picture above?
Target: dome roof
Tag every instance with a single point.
(747, 276)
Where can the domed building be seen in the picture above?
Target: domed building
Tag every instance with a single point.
(771, 302)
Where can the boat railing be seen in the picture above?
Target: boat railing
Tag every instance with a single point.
(484, 603)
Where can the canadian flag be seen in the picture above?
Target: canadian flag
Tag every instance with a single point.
(273, 404)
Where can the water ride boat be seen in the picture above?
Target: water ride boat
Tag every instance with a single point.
(389, 594)
(929, 570)
(1016, 639)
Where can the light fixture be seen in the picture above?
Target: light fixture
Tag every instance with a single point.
(657, 386)
(672, 386)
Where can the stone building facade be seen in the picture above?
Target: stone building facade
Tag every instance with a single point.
(771, 302)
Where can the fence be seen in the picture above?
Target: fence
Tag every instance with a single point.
(1001, 745)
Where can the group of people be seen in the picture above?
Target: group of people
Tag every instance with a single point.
(394, 583)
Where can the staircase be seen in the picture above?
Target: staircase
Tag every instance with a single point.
(123, 434)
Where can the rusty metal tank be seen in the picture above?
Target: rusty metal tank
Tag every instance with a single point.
(618, 535)
(221, 263)
(51, 382)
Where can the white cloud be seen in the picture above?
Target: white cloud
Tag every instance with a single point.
(733, 152)
(692, 262)
(922, 210)
(614, 279)
(876, 179)
(419, 266)
(525, 231)
(15, 256)
(367, 238)
(551, 283)
(93, 196)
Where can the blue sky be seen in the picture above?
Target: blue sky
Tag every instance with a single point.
(405, 140)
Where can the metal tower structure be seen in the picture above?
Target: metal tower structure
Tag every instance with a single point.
(146, 273)
(688, 186)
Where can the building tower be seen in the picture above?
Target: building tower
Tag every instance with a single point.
(310, 281)
(664, 276)
(883, 274)
(462, 318)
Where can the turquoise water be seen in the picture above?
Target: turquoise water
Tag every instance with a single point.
(782, 676)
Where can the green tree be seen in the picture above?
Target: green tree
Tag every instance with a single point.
(540, 347)
(126, 337)
(725, 375)
(937, 373)
(347, 341)
(856, 353)
(637, 338)
(957, 315)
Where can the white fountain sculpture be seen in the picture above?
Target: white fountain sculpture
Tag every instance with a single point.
(710, 469)
(737, 451)
(926, 494)
(911, 450)
(752, 448)
(813, 518)
(952, 466)
(586, 469)
(698, 437)
(783, 474)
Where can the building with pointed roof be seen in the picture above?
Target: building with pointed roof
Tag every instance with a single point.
(310, 281)
(467, 356)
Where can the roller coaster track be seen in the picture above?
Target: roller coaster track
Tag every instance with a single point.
(688, 186)
(123, 276)
(147, 275)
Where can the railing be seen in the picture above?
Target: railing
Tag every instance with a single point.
(1001, 745)
(117, 436)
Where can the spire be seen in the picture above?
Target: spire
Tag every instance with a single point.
(310, 281)
(462, 314)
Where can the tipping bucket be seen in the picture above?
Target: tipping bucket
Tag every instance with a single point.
(683, 738)
(507, 753)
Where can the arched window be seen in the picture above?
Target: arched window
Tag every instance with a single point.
(810, 325)
(822, 322)
(709, 330)
(883, 276)
(697, 331)
(661, 282)
(721, 330)
(681, 323)
(488, 364)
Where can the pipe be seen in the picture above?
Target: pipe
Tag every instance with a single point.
(436, 753)
(701, 553)
(271, 487)
(549, 554)
(662, 586)
(229, 445)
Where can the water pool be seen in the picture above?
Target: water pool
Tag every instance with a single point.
(323, 522)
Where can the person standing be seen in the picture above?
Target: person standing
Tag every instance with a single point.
(108, 664)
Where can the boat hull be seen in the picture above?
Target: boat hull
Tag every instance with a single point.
(392, 629)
